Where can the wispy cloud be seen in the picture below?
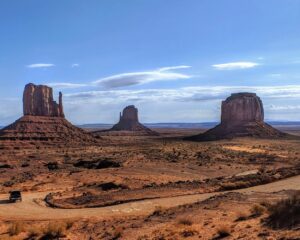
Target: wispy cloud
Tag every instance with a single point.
(174, 68)
(75, 65)
(66, 85)
(283, 107)
(40, 65)
(235, 65)
(134, 78)
(185, 94)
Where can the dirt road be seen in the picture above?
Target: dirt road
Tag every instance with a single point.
(33, 208)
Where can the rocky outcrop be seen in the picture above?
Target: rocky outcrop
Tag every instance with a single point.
(129, 122)
(44, 120)
(242, 107)
(38, 101)
(242, 116)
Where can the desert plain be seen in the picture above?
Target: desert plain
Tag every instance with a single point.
(148, 187)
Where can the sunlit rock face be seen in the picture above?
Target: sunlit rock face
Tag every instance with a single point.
(38, 101)
(241, 108)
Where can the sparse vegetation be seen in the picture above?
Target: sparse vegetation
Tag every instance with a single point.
(223, 232)
(54, 230)
(257, 210)
(16, 228)
(285, 213)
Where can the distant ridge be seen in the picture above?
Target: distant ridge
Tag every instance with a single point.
(202, 125)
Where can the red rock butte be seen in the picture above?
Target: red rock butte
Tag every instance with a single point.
(43, 120)
(38, 101)
(242, 115)
(129, 122)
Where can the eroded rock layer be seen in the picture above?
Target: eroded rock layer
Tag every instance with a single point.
(39, 128)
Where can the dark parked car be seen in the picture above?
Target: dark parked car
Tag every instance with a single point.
(15, 196)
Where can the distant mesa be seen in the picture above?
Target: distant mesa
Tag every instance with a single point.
(129, 122)
(43, 119)
(242, 115)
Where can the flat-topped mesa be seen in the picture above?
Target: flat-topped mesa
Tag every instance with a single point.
(38, 101)
(241, 108)
(242, 116)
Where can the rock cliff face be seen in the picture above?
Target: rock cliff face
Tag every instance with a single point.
(242, 107)
(242, 116)
(128, 120)
(38, 101)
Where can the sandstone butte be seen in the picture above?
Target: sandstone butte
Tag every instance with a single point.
(43, 120)
(242, 115)
(129, 122)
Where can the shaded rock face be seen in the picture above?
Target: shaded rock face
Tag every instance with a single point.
(130, 115)
(129, 122)
(240, 108)
(242, 116)
(38, 101)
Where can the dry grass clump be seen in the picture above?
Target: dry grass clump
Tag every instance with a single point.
(241, 216)
(257, 210)
(222, 232)
(285, 213)
(185, 221)
(158, 211)
(54, 230)
(16, 228)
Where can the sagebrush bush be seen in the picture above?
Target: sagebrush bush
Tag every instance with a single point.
(285, 213)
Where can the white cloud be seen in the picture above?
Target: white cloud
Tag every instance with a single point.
(283, 107)
(186, 94)
(66, 85)
(174, 68)
(235, 65)
(185, 104)
(74, 65)
(40, 65)
(134, 78)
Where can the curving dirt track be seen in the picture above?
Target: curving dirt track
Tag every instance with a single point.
(33, 208)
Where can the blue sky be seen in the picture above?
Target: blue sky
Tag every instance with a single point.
(175, 60)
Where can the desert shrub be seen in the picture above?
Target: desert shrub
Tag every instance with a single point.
(185, 221)
(186, 233)
(222, 232)
(69, 224)
(117, 234)
(54, 231)
(241, 216)
(257, 210)
(285, 213)
(34, 232)
(158, 211)
(16, 228)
